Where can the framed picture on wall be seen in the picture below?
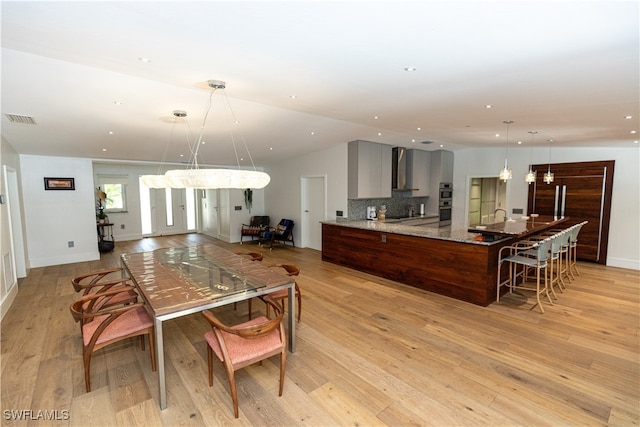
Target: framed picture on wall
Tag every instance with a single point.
(59, 184)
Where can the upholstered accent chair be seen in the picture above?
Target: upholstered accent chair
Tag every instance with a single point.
(283, 232)
(103, 323)
(257, 225)
(245, 344)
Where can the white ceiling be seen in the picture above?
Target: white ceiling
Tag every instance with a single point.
(568, 69)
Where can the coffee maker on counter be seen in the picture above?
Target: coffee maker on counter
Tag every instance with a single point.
(371, 213)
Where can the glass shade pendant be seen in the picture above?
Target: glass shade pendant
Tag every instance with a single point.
(506, 174)
(530, 177)
(548, 176)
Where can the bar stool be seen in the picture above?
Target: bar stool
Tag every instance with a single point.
(515, 256)
(573, 249)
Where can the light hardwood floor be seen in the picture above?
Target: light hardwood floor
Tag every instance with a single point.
(370, 352)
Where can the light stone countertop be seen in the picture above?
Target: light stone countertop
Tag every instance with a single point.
(441, 233)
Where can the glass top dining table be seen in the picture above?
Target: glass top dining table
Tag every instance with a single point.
(175, 282)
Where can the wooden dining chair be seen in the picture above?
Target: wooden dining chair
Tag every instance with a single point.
(103, 323)
(245, 344)
(253, 256)
(281, 295)
(102, 281)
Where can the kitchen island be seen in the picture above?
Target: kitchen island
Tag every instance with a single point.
(451, 262)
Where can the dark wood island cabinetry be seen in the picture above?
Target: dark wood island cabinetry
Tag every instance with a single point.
(450, 263)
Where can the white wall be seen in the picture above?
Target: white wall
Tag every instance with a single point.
(55, 217)
(283, 194)
(624, 231)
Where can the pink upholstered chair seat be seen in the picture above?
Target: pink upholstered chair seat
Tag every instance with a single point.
(125, 324)
(241, 345)
(242, 349)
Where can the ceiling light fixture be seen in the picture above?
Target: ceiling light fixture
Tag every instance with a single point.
(506, 174)
(530, 177)
(159, 180)
(214, 178)
(548, 176)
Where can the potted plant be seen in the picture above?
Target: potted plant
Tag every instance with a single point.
(100, 213)
(248, 198)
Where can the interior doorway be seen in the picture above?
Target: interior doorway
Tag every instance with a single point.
(487, 201)
(313, 200)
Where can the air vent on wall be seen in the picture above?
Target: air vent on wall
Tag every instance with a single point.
(17, 118)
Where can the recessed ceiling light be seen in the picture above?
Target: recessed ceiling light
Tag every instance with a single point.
(375, 117)
(519, 142)
(628, 117)
(313, 133)
(418, 128)
(110, 132)
(488, 106)
(413, 140)
(145, 60)
(635, 142)
(292, 96)
(270, 148)
(633, 131)
(409, 69)
(104, 149)
(441, 145)
(379, 133)
(497, 135)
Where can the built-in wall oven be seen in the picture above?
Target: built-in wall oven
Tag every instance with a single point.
(444, 203)
(446, 191)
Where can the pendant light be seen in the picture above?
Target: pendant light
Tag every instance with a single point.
(160, 180)
(211, 178)
(548, 176)
(530, 177)
(505, 174)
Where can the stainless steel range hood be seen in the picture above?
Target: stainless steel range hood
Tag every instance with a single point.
(399, 170)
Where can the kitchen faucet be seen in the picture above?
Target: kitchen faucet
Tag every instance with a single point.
(496, 211)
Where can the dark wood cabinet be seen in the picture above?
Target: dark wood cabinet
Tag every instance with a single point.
(582, 192)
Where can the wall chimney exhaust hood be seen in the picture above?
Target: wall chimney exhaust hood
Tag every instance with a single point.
(399, 170)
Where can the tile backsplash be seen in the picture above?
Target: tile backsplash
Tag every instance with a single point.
(396, 206)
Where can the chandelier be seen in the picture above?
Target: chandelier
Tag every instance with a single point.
(548, 175)
(530, 177)
(209, 178)
(505, 174)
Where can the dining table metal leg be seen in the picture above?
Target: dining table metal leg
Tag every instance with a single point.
(160, 360)
(292, 318)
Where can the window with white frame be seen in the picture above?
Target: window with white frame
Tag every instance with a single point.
(115, 187)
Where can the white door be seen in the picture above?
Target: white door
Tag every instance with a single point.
(170, 211)
(210, 217)
(13, 258)
(313, 211)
